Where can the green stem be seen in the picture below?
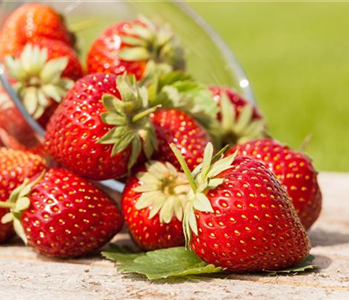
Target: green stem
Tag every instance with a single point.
(7, 205)
(219, 154)
(184, 166)
(305, 142)
(145, 113)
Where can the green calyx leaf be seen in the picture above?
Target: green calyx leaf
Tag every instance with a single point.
(18, 203)
(204, 177)
(147, 42)
(179, 90)
(129, 117)
(160, 264)
(237, 130)
(164, 190)
(39, 81)
(304, 266)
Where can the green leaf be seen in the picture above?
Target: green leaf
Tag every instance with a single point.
(206, 164)
(304, 266)
(134, 54)
(173, 77)
(123, 255)
(148, 147)
(15, 69)
(29, 100)
(22, 203)
(126, 87)
(53, 70)
(112, 118)
(136, 145)
(123, 142)
(227, 112)
(112, 104)
(133, 41)
(202, 203)
(115, 135)
(161, 264)
(19, 230)
(7, 218)
(244, 118)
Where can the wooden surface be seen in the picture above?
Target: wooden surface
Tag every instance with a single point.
(26, 275)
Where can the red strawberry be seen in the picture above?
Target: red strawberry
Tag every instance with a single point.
(42, 74)
(63, 215)
(238, 119)
(9, 141)
(15, 166)
(129, 46)
(153, 203)
(32, 22)
(175, 126)
(101, 127)
(15, 133)
(294, 170)
(240, 217)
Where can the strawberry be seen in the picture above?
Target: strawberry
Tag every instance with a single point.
(238, 119)
(16, 134)
(175, 126)
(240, 217)
(294, 170)
(129, 46)
(42, 74)
(101, 129)
(63, 215)
(32, 22)
(15, 166)
(153, 203)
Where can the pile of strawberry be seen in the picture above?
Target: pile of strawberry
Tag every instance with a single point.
(134, 115)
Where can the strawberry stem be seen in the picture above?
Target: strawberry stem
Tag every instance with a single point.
(7, 205)
(185, 167)
(305, 142)
(145, 113)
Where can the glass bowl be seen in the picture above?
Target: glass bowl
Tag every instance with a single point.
(209, 59)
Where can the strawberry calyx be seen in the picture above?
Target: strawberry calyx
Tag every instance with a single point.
(179, 90)
(164, 190)
(148, 42)
(202, 179)
(233, 130)
(18, 203)
(38, 80)
(130, 118)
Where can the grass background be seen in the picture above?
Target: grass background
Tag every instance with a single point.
(296, 56)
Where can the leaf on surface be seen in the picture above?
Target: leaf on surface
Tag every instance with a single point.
(305, 266)
(160, 264)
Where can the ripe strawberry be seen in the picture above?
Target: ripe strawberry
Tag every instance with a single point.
(32, 22)
(294, 170)
(153, 203)
(42, 74)
(240, 217)
(175, 126)
(101, 127)
(9, 141)
(238, 119)
(16, 134)
(63, 215)
(129, 46)
(15, 166)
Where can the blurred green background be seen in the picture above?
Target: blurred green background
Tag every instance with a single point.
(296, 56)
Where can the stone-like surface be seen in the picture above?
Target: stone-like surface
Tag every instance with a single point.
(26, 275)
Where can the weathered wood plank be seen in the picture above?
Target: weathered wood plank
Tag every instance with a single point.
(26, 275)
